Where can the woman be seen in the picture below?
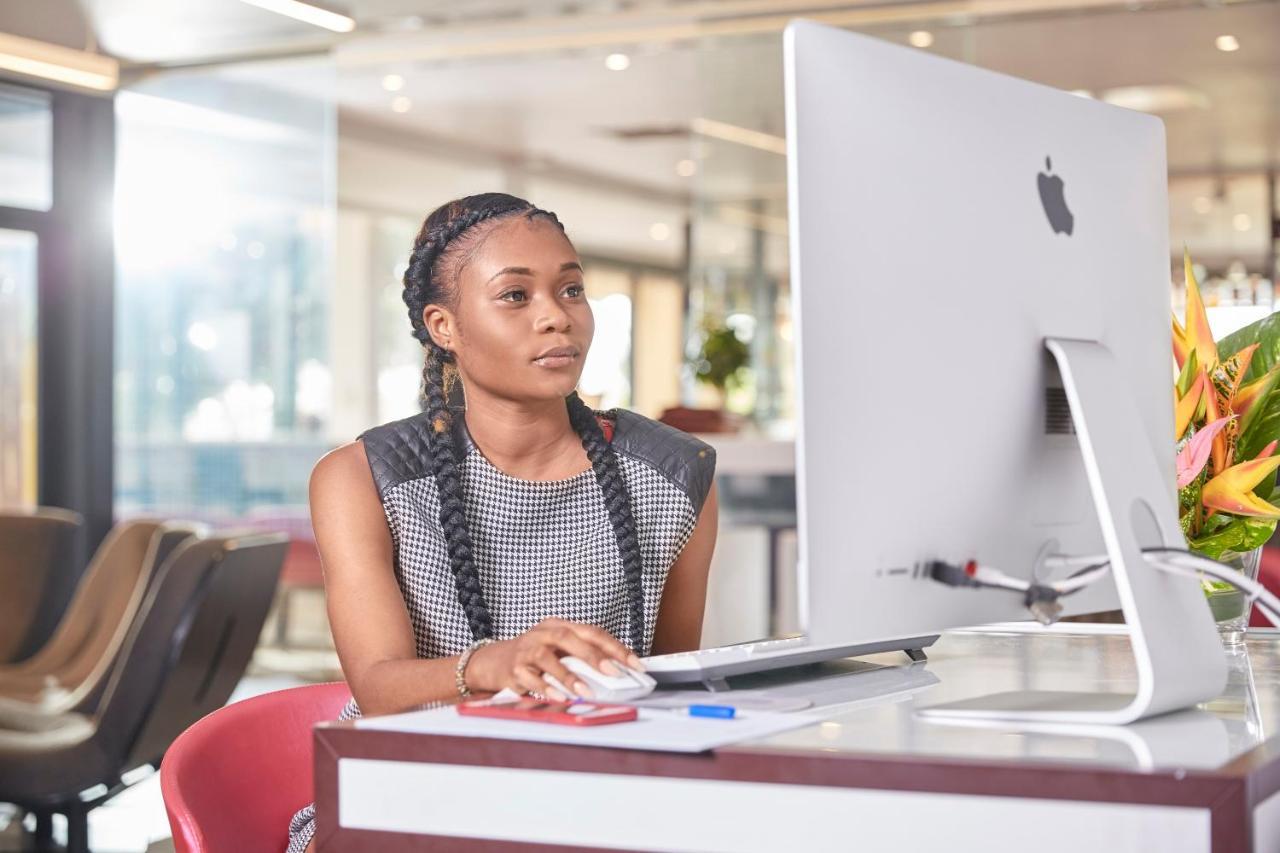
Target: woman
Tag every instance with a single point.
(467, 549)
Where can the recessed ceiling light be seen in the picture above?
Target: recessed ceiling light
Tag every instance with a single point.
(686, 168)
(393, 82)
(1227, 43)
(659, 231)
(617, 62)
(921, 38)
(401, 104)
(1241, 222)
(308, 13)
(1202, 204)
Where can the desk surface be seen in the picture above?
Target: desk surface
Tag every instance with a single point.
(1219, 764)
(1234, 727)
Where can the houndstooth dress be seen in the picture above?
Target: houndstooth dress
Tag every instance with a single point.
(542, 548)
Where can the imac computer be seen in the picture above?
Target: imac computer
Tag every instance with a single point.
(980, 292)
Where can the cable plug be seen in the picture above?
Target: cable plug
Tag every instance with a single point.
(950, 574)
(1043, 603)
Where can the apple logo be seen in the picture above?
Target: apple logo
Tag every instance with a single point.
(1055, 205)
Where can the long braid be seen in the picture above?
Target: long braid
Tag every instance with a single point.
(423, 286)
(618, 503)
(453, 519)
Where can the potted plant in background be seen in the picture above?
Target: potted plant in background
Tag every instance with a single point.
(1227, 421)
(719, 363)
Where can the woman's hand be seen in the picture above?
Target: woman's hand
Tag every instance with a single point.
(520, 664)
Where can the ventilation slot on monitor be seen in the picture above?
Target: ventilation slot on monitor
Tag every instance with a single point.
(1057, 413)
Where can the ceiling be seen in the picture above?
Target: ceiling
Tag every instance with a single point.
(526, 81)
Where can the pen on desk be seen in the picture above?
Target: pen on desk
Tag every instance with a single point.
(715, 712)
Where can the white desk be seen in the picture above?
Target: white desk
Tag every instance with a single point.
(873, 776)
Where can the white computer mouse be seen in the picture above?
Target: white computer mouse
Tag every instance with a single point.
(628, 685)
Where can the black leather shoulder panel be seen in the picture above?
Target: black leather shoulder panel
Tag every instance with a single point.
(399, 451)
(686, 461)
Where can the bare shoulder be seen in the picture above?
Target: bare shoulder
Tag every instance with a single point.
(343, 476)
(344, 465)
(346, 512)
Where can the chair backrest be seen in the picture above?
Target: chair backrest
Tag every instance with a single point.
(164, 542)
(190, 644)
(233, 780)
(218, 643)
(109, 588)
(36, 575)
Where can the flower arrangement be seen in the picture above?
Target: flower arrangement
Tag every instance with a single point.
(1226, 424)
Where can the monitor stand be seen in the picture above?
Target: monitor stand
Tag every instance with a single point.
(1179, 657)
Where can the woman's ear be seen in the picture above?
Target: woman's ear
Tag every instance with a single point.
(439, 325)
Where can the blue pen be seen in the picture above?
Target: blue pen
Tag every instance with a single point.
(716, 712)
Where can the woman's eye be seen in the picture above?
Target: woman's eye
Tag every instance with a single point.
(574, 287)
(519, 293)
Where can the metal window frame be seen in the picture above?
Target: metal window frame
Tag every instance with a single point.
(75, 310)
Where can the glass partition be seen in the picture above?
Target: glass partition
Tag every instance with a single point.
(224, 201)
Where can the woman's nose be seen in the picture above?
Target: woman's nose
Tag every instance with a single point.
(553, 317)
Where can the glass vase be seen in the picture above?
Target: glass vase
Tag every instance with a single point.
(1229, 605)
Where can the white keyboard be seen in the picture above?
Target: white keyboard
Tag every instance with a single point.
(712, 666)
(683, 661)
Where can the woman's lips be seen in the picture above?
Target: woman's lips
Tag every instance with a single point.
(555, 361)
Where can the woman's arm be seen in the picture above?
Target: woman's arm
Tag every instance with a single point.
(370, 624)
(684, 598)
(367, 614)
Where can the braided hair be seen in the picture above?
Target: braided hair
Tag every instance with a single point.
(443, 244)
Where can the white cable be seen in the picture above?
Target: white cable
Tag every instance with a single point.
(995, 577)
(1189, 564)
(1172, 560)
(1081, 580)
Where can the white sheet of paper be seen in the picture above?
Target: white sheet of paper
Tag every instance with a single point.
(664, 731)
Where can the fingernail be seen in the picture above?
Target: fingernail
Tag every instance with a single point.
(609, 667)
(634, 663)
(583, 689)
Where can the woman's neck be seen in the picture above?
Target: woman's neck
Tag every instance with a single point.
(531, 441)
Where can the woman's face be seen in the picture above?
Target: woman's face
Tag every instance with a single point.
(519, 294)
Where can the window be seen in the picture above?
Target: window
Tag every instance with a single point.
(26, 149)
(17, 368)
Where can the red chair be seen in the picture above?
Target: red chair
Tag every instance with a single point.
(233, 780)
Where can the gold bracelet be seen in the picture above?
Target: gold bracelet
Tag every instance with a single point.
(460, 671)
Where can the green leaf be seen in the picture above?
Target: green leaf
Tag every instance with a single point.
(1267, 486)
(1265, 333)
(1236, 536)
(1188, 374)
(1264, 426)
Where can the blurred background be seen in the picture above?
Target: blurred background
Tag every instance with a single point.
(206, 207)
